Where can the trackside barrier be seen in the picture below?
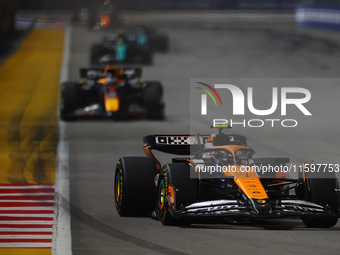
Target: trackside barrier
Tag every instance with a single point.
(318, 16)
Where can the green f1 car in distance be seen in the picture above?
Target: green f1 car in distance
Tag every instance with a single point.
(134, 45)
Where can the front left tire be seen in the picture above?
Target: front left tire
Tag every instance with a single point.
(135, 186)
(153, 96)
(70, 94)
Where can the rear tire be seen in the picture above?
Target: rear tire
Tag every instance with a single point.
(70, 94)
(161, 43)
(148, 58)
(135, 191)
(320, 188)
(96, 52)
(153, 93)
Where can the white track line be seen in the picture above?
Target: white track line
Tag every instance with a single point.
(27, 186)
(27, 194)
(62, 239)
(27, 201)
(26, 215)
(25, 237)
(26, 245)
(27, 222)
(48, 230)
(33, 208)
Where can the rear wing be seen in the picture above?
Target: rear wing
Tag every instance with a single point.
(190, 144)
(175, 144)
(92, 73)
(96, 73)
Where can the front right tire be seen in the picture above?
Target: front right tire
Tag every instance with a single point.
(320, 188)
(184, 188)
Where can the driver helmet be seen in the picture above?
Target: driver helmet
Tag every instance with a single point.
(219, 157)
(111, 81)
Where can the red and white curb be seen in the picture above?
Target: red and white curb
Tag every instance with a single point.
(26, 215)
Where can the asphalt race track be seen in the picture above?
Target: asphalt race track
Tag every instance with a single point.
(203, 46)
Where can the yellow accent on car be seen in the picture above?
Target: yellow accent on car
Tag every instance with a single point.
(112, 104)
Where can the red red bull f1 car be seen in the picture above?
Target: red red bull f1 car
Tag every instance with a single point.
(221, 180)
(114, 92)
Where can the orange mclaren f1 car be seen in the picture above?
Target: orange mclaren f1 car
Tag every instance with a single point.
(221, 180)
(111, 92)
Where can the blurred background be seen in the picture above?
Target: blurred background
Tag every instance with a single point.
(166, 4)
(173, 4)
(207, 39)
(317, 13)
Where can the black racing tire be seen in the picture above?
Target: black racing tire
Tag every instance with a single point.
(161, 43)
(135, 191)
(320, 222)
(69, 101)
(153, 95)
(96, 52)
(140, 58)
(148, 58)
(185, 188)
(320, 188)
